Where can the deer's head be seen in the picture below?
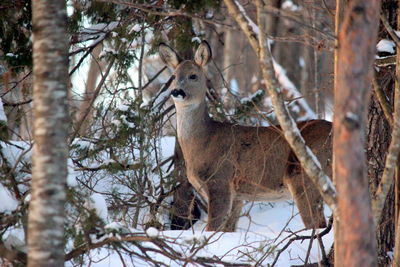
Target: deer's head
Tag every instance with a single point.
(189, 86)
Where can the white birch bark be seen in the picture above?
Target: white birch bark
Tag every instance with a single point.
(49, 171)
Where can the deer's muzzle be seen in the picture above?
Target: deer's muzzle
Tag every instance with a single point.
(178, 93)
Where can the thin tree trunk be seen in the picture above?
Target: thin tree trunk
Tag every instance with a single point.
(396, 258)
(340, 4)
(355, 243)
(95, 68)
(49, 171)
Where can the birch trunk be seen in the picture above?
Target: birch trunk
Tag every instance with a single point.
(50, 59)
(355, 243)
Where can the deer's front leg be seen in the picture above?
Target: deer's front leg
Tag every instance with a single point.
(220, 199)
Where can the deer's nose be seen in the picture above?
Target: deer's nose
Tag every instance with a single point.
(178, 93)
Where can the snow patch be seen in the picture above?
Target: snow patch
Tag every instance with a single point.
(8, 203)
(99, 205)
(15, 239)
(72, 174)
(289, 5)
(2, 113)
(152, 232)
(196, 39)
(137, 28)
(386, 45)
(233, 84)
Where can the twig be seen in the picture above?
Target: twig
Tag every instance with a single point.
(297, 238)
(309, 247)
(16, 104)
(385, 61)
(389, 29)
(380, 95)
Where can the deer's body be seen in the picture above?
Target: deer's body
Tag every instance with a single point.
(228, 163)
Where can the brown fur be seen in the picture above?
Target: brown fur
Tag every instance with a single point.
(228, 163)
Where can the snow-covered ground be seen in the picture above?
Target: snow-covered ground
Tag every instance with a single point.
(262, 230)
(260, 235)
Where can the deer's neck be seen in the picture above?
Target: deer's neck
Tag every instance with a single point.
(193, 122)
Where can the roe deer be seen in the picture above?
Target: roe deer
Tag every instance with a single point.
(228, 163)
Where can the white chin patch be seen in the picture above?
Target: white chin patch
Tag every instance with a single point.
(178, 98)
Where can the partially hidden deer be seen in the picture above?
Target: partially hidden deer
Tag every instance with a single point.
(228, 163)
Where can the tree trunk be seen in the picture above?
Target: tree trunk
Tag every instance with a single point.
(49, 171)
(95, 68)
(355, 241)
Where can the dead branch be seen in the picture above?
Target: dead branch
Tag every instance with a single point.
(380, 95)
(389, 29)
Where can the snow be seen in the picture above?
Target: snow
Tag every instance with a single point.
(288, 4)
(72, 174)
(287, 84)
(137, 28)
(127, 123)
(152, 232)
(123, 107)
(2, 113)
(246, 100)
(148, 37)
(386, 45)
(254, 27)
(116, 226)
(234, 86)
(8, 203)
(260, 234)
(196, 39)
(14, 238)
(302, 62)
(97, 32)
(99, 205)
(100, 27)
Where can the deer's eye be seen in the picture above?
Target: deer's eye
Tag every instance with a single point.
(193, 77)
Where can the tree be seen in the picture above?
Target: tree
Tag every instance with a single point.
(50, 152)
(357, 41)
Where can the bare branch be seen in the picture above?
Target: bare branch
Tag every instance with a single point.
(380, 95)
(389, 29)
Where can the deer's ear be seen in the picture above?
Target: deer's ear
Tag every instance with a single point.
(168, 55)
(203, 54)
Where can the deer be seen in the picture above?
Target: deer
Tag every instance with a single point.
(228, 163)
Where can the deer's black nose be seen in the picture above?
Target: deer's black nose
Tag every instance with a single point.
(178, 93)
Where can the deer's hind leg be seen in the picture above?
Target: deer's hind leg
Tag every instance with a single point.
(308, 200)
